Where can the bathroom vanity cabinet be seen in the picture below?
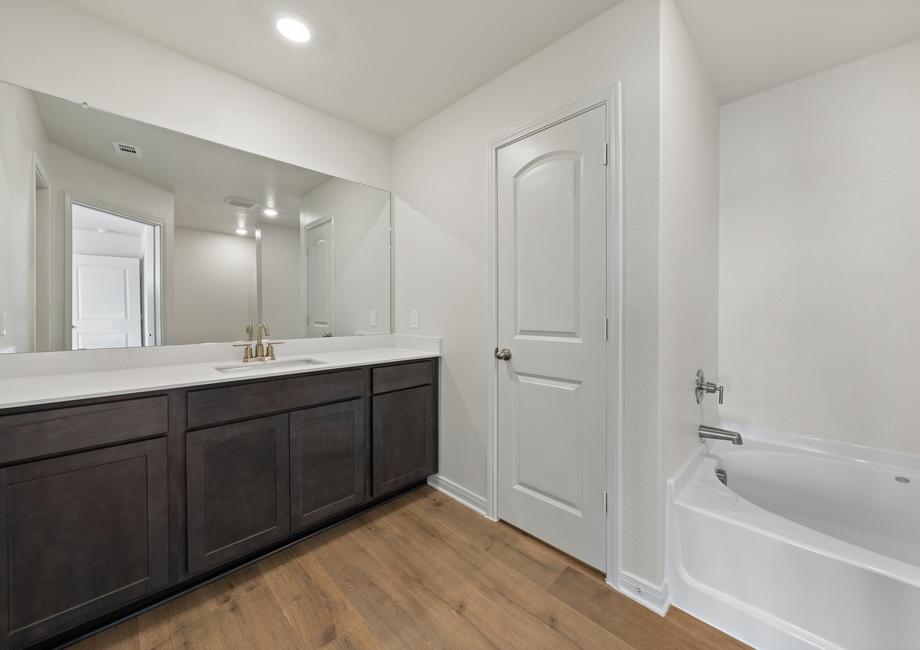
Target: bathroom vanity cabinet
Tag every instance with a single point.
(114, 504)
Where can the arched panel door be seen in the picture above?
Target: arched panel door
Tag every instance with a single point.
(551, 209)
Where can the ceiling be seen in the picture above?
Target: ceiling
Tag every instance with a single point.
(388, 66)
(383, 65)
(199, 173)
(91, 219)
(751, 45)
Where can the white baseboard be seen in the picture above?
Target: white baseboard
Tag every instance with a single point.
(458, 493)
(655, 597)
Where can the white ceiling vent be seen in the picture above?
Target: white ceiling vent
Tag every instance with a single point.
(126, 149)
(240, 202)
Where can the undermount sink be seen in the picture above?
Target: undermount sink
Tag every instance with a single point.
(257, 366)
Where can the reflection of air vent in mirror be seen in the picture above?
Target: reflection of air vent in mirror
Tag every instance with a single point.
(239, 202)
(127, 150)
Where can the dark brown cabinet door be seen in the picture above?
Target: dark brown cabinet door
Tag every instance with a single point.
(81, 535)
(403, 438)
(238, 498)
(328, 447)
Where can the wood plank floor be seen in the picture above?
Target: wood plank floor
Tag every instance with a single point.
(419, 572)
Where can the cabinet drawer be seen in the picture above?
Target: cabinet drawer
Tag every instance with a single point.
(217, 405)
(58, 431)
(407, 375)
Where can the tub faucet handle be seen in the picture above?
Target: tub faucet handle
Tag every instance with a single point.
(703, 387)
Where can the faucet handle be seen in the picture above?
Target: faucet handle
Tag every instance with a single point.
(249, 330)
(247, 351)
(703, 387)
(270, 349)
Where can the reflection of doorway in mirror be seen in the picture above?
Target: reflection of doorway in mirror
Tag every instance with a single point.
(114, 279)
(40, 268)
(320, 281)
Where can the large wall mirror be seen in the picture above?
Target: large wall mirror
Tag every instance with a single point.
(115, 233)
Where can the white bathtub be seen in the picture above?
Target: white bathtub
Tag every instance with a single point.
(811, 543)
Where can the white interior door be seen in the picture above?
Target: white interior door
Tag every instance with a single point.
(320, 280)
(106, 302)
(551, 210)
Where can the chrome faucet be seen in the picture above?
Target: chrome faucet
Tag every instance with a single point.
(703, 387)
(714, 433)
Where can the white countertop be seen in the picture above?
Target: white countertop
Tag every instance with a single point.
(45, 389)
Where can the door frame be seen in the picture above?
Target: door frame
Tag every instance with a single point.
(305, 284)
(610, 97)
(41, 214)
(160, 263)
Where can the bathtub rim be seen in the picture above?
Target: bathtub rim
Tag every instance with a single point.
(888, 458)
(719, 499)
(696, 480)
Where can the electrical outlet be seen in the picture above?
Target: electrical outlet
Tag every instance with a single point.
(2, 322)
(373, 318)
(413, 319)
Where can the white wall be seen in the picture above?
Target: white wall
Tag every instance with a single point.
(21, 134)
(278, 252)
(440, 175)
(688, 299)
(215, 295)
(50, 47)
(819, 230)
(88, 179)
(362, 252)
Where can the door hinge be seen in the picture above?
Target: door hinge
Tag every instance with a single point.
(605, 502)
(606, 154)
(606, 328)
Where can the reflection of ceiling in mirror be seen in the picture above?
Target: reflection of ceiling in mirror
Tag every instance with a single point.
(199, 173)
(90, 219)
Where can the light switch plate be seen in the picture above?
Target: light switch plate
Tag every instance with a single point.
(373, 318)
(2, 322)
(413, 319)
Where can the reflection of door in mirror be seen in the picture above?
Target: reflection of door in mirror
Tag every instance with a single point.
(106, 302)
(320, 278)
(113, 280)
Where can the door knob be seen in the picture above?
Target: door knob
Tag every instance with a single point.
(502, 353)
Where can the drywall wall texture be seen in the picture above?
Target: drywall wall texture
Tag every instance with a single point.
(362, 252)
(278, 249)
(440, 172)
(689, 290)
(216, 294)
(76, 57)
(818, 312)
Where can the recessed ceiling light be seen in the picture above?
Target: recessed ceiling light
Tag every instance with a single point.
(101, 230)
(293, 28)
(242, 231)
(270, 212)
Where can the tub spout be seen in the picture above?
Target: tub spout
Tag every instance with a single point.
(713, 433)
